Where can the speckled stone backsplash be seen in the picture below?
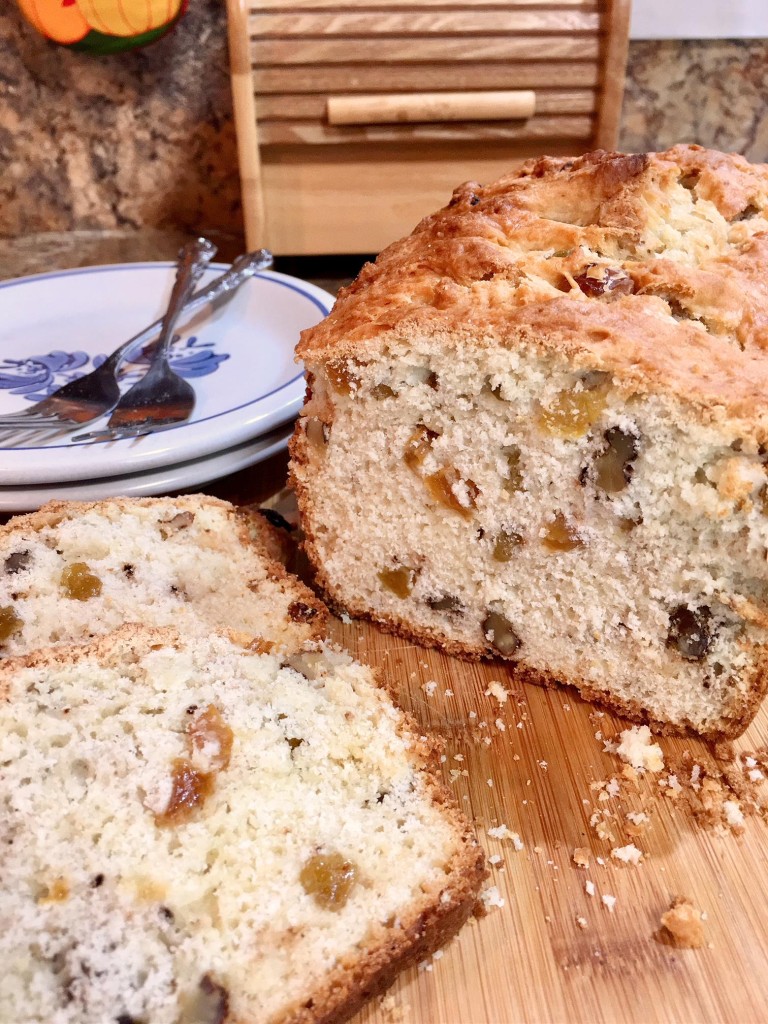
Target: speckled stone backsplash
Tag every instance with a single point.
(713, 92)
(146, 140)
(143, 138)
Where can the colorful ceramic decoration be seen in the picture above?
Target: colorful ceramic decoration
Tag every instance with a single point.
(103, 26)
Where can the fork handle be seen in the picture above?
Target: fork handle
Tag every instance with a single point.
(244, 267)
(193, 259)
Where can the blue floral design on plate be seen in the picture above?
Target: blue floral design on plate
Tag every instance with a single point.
(36, 377)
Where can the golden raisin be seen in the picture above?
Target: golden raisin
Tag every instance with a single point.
(560, 535)
(418, 446)
(57, 892)
(190, 790)
(341, 374)
(211, 737)
(315, 431)
(79, 583)
(382, 391)
(498, 630)
(504, 547)
(400, 581)
(10, 622)
(441, 486)
(328, 878)
(613, 466)
(514, 480)
(572, 413)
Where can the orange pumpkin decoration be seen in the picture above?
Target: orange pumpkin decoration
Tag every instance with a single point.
(121, 18)
(103, 26)
(60, 20)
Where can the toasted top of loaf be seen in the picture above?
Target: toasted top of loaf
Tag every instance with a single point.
(195, 833)
(651, 266)
(74, 570)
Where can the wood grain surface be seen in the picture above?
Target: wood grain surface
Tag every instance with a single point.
(531, 764)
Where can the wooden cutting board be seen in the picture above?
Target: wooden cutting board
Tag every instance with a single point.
(530, 764)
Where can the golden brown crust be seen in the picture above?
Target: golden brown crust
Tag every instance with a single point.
(499, 264)
(350, 986)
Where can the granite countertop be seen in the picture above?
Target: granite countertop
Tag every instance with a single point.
(63, 250)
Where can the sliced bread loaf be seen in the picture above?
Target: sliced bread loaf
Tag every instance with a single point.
(193, 833)
(537, 429)
(74, 570)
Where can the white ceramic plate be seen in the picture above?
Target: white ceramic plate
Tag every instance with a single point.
(158, 481)
(239, 359)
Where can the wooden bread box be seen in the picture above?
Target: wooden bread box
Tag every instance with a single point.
(354, 122)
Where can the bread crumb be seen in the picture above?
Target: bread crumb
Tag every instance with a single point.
(392, 1011)
(491, 897)
(500, 725)
(449, 693)
(543, 765)
(629, 854)
(502, 832)
(733, 814)
(581, 856)
(495, 689)
(495, 859)
(589, 888)
(637, 817)
(609, 901)
(581, 922)
(637, 749)
(429, 687)
(682, 925)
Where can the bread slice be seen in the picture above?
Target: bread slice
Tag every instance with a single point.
(195, 833)
(74, 570)
(538, 428)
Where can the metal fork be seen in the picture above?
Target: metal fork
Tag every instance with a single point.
(162, 397)
(86, 399)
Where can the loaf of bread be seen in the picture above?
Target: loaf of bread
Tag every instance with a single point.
(196, 833)
(538, 427)
(74, 570)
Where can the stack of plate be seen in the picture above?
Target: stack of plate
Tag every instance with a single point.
(239, 358)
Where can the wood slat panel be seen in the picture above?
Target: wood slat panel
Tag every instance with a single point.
(359, 198)
(405, 23)
(421, 49)
(385, 5)
(314, 133)
(300, 107)
(438, 75)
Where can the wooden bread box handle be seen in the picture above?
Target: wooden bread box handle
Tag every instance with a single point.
(431, 106)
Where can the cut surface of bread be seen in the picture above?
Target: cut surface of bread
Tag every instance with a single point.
(537, 429)
(74, 570)
(194, 833)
